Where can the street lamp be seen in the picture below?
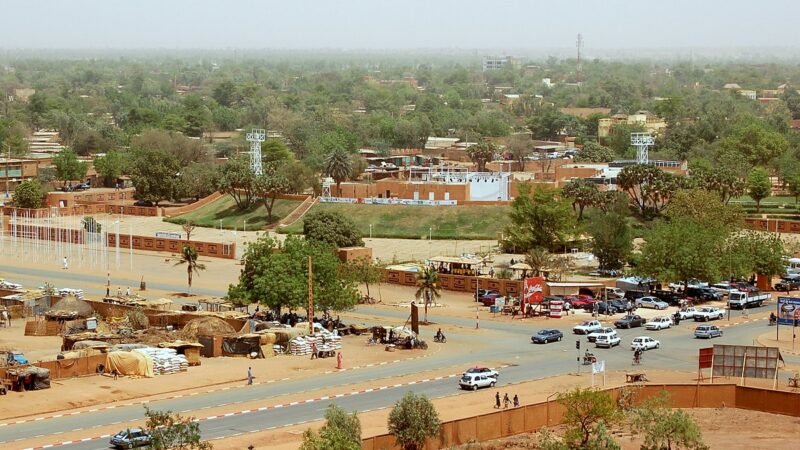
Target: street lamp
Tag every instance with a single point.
(370, 231)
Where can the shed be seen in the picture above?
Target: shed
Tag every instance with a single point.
(572, 288)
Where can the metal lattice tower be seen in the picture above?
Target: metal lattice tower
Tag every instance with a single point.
(327, 182)
(642, 142)
(256, 137)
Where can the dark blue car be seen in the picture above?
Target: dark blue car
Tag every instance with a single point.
(545, 336)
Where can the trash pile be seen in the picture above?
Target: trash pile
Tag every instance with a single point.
(165, 360)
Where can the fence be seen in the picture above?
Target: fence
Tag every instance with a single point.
(774, 225)
(461, 283)
(68, 368)
(534, 417)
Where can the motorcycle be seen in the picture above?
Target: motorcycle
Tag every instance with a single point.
(441, 339)
(589, 359)
(637, 358)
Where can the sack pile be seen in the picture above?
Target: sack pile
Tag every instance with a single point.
(325, 341)
(165, 360)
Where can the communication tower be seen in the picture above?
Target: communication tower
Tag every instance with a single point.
(256, 137)
(327, 182)
(642, 142)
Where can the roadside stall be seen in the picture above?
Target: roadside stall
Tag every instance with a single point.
(453, 265)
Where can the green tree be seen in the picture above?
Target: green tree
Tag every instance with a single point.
(612, 240)
(237, 180)
(755, 142)
(362, 270)
(427, 287)
(413, 420)
(269, 185)
(29, 194)
(111, 166)
(582, 192)
(198, 180)
(539, 218)
(154, 174)
(173, 432)
(793, 185)
(592, 152)
(706, 208)
(68, 167)
(224, 93)
(520, 147)
(649, 188)
(342, 431)
(754, 252)
(274, 150)
(189, 258)
(665, 428)
(539, 259)
(338, 165)
(588, 412)
(759, 186)
(482, 153)
(91, 225)
(276, 275)
(721, 180)
(333, 228)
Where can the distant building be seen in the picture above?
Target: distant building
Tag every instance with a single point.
(434, 142)
(749, 93)
(651, 123)
(45, 141)
(14, 171)
(21, 95)
(496, 63)
(585, 112)
(547, 82)
(732, 86)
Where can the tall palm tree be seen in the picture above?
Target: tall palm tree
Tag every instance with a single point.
(189, 257)
(539, 259)
(338, 165)
(428, 286)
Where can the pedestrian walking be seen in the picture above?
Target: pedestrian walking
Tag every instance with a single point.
(506, 401)
(516, 401)
(66, 263)
(313, 350)
(128, 291)
(249, 376)
(497, 400)
(119, 291)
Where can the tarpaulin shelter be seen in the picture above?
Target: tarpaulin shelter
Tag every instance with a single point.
(242, 345)
(130, 363)
(29, 378)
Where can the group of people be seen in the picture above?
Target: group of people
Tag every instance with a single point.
(506, 401)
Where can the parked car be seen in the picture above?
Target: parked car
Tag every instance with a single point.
(703, 293)
(607, 340)
(474, 381)
(708, 313)
(82, 186)
(612, 292)
(130, 438)
(687, 313)
(483, 371)
(545, 336)
(707, 331)
(146, 203)
(787, 284)
(490, 299)
(619, 304)
(672, 298)
(592, 337)
(658, 323)
(694, 283)
(633, 295)
(14, 358)
(651, 302)
(645, 343)
(722, 288)
(630, 321)
(587, 327)
(579, 302)
(601, 308)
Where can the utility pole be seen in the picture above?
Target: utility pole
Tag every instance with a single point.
(578, 45)
(310, 300)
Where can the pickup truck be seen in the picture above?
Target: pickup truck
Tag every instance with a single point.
(687, 313)
(741, 300)
(708, 313)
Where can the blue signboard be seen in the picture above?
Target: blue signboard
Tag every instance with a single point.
(788, 311)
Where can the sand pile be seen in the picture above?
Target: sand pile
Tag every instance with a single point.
(206, 326)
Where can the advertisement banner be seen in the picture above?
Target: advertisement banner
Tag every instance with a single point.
(788, 311)
(388, 201)
(534, 287)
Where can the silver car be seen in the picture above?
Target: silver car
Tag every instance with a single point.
(474, 381)
(707, 331)
(651, 302)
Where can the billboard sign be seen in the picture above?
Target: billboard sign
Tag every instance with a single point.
(706, 358)
(745, 361)
(534, 287)
(788, 310)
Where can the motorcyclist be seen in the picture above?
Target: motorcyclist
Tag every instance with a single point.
(588, 357)
(439, 335)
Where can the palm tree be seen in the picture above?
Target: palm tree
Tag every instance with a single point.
(338, 165)
(539, 259)
(428, 286)
(481, 153)
(189, 257)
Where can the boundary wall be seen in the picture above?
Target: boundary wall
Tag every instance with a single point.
(531, 418)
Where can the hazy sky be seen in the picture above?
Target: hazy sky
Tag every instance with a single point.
(398, 24)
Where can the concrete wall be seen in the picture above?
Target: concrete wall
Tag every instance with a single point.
(458, 283)
(55, 198)
(403, 190)
(774, 225)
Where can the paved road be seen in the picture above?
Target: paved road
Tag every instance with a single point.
(678, 352)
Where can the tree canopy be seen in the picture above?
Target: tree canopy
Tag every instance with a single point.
(539, 218)
(333, 228)
(413, 420)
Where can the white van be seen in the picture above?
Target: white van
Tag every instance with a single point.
(793, 266)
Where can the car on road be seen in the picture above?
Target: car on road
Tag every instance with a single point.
(482, 371)
(658, 323)
(130, 438)
(630, 321)
(651, 302)
(645, 343)
(587, 327)
(475, 381)
(707, 331)
(591, 337)
(708, 313)
(607, 340)
(545, 336)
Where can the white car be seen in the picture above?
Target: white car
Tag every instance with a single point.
(687, 313)
(587, 327)
(486, 371)
(645, 343)
(651, 302)
(475, 381)
(708, 313)
(594, 334)
(607, 340)
(658, 323)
